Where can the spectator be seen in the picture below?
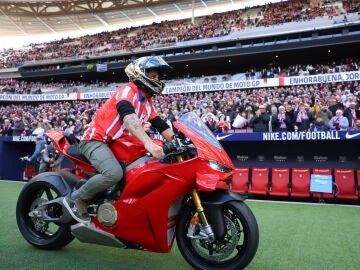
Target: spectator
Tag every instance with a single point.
(290, 119)
(6, 128)
(222, 126)
(210, 122)
(36, 157)
(339, 122)
(281, 125)
(319, 124)
(316, 108)
(39, 131)
(63, 126)
(77, 127)
(260, 121)
(19, 126)
(357, 125)
(51, 159)
(240, 120)
(350, 114)
(334, 105)
(303, 118)
(325, 115)
(70, 127)
(230, 113)
(27, 131)
(274, 124)
(83, 127)
(204, 116)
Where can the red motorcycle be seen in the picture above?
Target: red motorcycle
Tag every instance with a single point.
(186, 194)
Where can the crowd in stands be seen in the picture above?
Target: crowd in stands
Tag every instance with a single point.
(12, 86)
(167, 33)
(316, 107)
(351, 6)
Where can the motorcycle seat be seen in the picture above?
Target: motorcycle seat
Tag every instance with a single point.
(74, 151)
(71, 138)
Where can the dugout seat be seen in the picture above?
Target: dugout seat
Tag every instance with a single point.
(322, 171)
(259, 181)
(345, 184)
(240, 180)
(300, 183)
(280, 182)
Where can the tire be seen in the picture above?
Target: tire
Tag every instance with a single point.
(38, 232)
(235, 250)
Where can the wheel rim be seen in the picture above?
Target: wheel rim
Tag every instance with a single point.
(227, 249)
(33, 213)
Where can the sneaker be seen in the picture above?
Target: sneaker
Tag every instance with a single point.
(77, 209)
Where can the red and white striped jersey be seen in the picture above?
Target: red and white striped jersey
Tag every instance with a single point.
(107, 125)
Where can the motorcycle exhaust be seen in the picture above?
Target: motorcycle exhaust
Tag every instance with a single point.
(88, 233)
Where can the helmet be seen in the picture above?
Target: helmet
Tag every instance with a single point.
(138, 70)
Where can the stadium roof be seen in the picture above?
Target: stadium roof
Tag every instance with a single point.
(39, 17)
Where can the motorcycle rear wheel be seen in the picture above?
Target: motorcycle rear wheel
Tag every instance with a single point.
(235, 250)
(38, 232)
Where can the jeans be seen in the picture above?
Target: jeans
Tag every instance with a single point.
(104, 161)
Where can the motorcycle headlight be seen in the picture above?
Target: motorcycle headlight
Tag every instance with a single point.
(218, 166)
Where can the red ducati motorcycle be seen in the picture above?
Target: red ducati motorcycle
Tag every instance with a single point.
(184, 195)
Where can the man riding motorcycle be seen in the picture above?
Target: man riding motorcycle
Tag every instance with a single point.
(124, 114)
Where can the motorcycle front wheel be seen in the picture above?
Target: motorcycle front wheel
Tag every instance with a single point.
(41, 233)
(234, 250)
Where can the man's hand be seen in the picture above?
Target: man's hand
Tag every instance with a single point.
(26, 158)
(132, 123)
(155, 150)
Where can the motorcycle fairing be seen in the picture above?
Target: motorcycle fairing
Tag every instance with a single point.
(206, 181)
(142, 217)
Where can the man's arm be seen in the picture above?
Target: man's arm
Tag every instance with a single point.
(132, 124)
(162, 127)
(36, 152)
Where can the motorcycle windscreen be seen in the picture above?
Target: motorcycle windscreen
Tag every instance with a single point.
(208, 147)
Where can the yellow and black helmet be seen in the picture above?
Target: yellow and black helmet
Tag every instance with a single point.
(138, 70)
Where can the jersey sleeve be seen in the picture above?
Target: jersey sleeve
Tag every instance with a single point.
(153, 113)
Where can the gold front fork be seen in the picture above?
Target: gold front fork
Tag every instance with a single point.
(200, 210)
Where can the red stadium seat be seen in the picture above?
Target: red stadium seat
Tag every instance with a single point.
(322, 171)
(280, 181)
(240, 181)
(300, 183)
(345, 184)
(259, 181)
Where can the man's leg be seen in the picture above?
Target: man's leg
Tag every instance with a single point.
(104, 161)
(43, 166)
